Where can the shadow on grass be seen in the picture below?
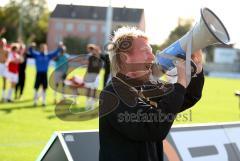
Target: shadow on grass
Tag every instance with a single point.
(8, 110)
(24, 101)
(66, 113)
(48, 110)
(18, 101)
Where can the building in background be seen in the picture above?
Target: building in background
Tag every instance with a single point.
(88, 22)
(222, 60)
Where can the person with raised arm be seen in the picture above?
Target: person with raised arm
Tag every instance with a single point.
(42, 60)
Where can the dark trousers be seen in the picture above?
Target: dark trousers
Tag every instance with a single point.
(20, 85)
(41, 80)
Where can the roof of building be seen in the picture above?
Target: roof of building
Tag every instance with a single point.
(96, 13)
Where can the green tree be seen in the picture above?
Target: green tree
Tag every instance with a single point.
(38, 31)
(75, 45)
(9, 20)
(177, 33)
(34, 20)
(35, 16)
(155, 48)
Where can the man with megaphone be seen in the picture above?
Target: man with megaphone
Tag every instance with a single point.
(135, 113)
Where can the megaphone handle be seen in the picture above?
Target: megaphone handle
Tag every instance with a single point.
(188, 58)
(193, 69)
(188, 69)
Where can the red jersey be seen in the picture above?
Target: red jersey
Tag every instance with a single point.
(13, 66)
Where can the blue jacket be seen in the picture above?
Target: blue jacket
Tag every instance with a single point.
(42, 60)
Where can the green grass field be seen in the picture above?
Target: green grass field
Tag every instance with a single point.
(26, 129)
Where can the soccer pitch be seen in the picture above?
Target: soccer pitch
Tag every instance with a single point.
(26, 129)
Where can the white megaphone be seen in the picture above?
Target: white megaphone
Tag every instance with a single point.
(208, 31)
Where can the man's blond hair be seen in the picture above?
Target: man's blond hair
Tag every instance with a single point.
(122, 43)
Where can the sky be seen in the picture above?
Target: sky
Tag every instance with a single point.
(162, 15)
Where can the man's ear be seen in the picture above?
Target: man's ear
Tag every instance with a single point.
(123, 57)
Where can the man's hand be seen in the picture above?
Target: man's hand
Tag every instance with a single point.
(61, 45)
(33, 44)
(181, 71)
(197, 59)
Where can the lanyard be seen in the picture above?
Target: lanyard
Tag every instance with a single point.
(139, 93)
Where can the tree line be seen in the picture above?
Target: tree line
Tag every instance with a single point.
(25, 20)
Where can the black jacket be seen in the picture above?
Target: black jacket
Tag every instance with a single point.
(127, 129)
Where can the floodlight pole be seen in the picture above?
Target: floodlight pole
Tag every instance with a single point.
(20, 25)
(108, 26)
